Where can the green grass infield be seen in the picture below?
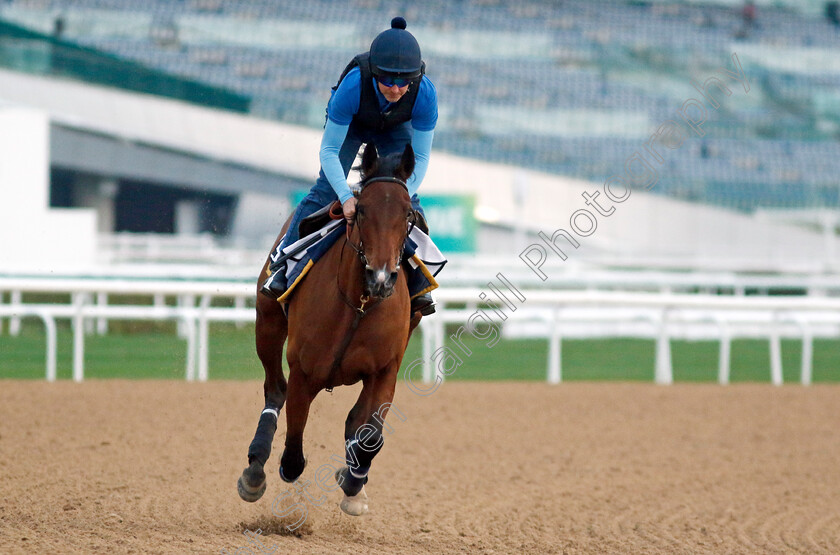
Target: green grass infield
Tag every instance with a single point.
(144, 353)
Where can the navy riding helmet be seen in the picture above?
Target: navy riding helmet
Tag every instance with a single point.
(395, 52)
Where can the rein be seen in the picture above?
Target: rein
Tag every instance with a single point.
(360, 311)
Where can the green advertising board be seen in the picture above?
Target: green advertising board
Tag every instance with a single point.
(451, 219)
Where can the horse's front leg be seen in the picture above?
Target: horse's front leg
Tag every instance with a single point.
(271, 331)
(364, 438)
(298, 401)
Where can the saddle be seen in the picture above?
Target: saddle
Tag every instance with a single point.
(422, 257)
(319, 219)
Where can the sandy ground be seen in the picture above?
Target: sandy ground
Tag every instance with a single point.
(151, 467)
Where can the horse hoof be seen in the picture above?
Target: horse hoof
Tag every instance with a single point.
(248, 493)
(283, 477)
(357, 505)
(288, 479)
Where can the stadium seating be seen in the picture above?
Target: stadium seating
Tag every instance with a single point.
(514, 79)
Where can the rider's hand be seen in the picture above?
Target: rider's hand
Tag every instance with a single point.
(349, 208)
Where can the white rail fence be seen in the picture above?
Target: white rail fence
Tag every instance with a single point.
(90, 303)
(589, 314)
(664, 317)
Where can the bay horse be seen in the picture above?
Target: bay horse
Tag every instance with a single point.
(348, 321)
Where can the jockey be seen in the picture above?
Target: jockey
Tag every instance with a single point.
(384, 97)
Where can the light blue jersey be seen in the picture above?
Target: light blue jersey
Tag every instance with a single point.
(344, 104)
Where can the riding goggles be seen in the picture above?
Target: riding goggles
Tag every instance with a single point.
(389, 81)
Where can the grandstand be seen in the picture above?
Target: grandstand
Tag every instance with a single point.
(568, 89)
(564, 87)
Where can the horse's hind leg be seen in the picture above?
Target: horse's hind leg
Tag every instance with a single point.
(300, 398)
(364, 439)
(271, 330)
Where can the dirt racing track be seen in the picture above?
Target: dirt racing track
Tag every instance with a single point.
(151, 467)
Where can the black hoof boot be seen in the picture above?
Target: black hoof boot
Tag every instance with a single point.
(350, 485)
(423, 303)
(251, 485)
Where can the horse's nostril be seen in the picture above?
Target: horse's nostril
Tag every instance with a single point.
(380, 281)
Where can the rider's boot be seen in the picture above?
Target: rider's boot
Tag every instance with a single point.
(424, 303)
(275, 285)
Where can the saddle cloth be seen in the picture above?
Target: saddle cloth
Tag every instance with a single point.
(425, 261)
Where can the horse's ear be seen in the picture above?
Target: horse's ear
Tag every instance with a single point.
(369, 159)
(406, 166)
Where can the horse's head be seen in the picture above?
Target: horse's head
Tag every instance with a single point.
(383, 213)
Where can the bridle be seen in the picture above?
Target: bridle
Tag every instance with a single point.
(360, 249)
(361, 311)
